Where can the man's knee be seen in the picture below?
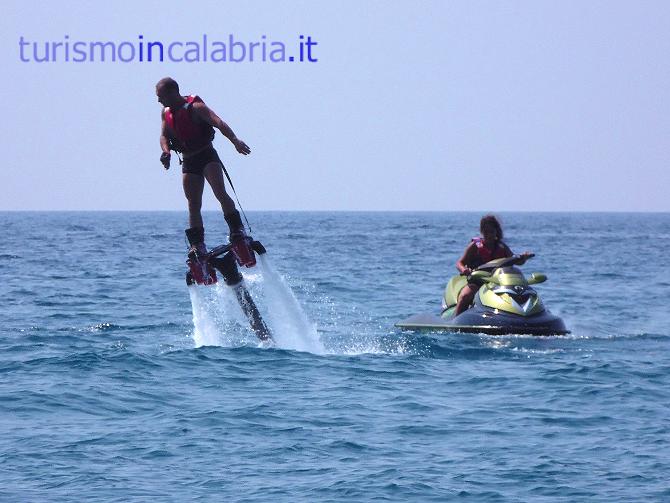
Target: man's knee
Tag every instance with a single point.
(221, 195)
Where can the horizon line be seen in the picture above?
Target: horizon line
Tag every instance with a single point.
(327, 211)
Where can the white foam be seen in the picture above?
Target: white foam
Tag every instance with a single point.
(290, 326)
(205, 332)
(219, 321)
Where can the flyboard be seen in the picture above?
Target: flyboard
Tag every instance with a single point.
(225, 259)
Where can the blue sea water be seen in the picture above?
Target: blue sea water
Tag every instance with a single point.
(117, 383)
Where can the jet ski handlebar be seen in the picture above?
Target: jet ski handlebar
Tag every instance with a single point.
(483, 274)
(504, 262)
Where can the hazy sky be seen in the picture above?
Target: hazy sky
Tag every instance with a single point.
(423, 105)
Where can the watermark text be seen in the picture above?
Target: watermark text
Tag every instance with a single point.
(205, 49)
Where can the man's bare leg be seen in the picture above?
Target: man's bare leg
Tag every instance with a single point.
(193, 187)
(214, 174)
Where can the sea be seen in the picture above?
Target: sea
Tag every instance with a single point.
(118, 383)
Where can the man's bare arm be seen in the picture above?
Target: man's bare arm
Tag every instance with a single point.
(165, 143)
(208, 115)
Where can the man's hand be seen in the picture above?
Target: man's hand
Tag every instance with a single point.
(240, 146)
(165, 159)
(466, 271)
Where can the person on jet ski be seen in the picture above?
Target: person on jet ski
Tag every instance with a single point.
(489, 246)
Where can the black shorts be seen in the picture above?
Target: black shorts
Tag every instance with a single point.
(196, 163)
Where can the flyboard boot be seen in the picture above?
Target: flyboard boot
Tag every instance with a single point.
(240, 244)
(200, 269)
(225, 258)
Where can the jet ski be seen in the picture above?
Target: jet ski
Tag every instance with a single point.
(505, 303)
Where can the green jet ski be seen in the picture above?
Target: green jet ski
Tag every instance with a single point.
(504, 304)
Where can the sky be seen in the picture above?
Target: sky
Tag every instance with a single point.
(524, 105)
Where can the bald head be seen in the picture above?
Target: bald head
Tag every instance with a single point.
(168, 84)
(167, 91)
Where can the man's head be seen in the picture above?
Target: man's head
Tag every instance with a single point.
(167, 91)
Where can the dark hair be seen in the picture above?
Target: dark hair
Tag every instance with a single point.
(168, 83)
(491, 220)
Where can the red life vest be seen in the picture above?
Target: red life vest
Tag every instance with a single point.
(485, 254)
(185, 133)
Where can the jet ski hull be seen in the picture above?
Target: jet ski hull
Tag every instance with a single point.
(483, 321)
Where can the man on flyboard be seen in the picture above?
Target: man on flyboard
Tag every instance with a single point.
(187, 126)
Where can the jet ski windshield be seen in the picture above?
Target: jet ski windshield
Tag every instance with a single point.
(509, 270)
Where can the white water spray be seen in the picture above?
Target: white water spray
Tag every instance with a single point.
(204, 329)
(219, 321)
(288, 322)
